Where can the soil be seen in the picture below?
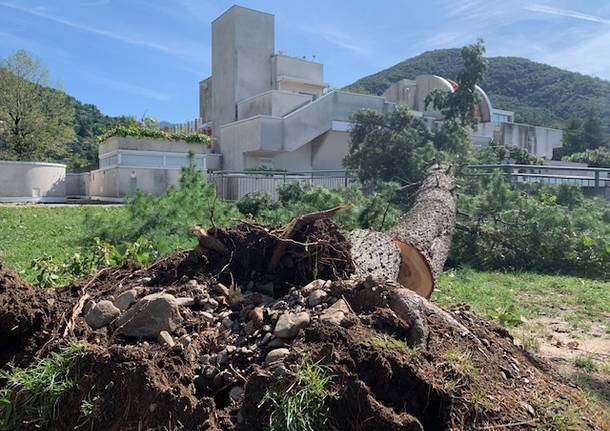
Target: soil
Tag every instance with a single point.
(454, 382)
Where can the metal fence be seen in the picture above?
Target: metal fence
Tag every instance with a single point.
(233, 185)
(597, 179)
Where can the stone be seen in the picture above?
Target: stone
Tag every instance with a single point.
(289, 324)
(336, 312)
(268, 336)
(276, 355)
(316, 284)
(125, 299)
(227, 323)
(208, 317)
(236, 394)
(277, 342)
(256, 315)
(221, 289)
(316, 297)
(192, 283)
(166, 339)
(101, 314)
(186, 301)
(149, 316)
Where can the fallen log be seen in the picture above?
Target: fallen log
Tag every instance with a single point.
(414, 252)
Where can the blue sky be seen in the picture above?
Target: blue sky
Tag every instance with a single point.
(145, 57)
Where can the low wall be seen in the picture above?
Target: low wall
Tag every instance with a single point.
(32, 182)
(77, 184)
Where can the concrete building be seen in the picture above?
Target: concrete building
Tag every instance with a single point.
(271, 110)
(496, 124)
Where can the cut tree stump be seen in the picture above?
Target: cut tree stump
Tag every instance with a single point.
(415, 251)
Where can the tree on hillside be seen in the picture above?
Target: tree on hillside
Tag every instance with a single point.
(461, 104)
(35, 122)
(592, 135)
(392, 146)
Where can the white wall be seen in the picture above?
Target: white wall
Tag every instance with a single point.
(32, 181)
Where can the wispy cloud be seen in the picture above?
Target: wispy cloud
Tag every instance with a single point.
(176, 50)
(130, 88)
(567, 13)
(337, 38)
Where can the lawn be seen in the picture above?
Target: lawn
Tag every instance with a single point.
(510, 296)
(31, 231)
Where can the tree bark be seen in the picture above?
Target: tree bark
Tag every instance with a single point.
(415, 251)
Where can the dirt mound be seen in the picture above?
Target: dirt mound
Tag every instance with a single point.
(235, 330)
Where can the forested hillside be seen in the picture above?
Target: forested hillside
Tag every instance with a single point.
(539, 94)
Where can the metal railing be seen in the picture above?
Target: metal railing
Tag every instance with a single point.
(233, 185)
(596, 178)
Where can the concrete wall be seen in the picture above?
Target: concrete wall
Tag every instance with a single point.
(77, 184)
(243, 41)
(296, 74)
(119, 182)
(535, 139)
(329, 150)
(275, 103)
(402, 92)
(32, 181)
(266, 136)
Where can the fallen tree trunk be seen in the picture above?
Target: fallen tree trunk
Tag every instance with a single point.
(414, 252)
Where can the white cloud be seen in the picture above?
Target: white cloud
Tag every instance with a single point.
(567, 13)
(177, 49)
(337, 38)
(587, 56)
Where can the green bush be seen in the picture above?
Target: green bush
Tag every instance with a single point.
(137, 131)
(50, 272)
(254, 204)
(598, 158)
(165, 220)
(375, 211)
(550, 230)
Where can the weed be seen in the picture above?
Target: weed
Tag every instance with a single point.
(302, 406)
(32, 394)
(560, 415)
(390, 343)
(586, 363)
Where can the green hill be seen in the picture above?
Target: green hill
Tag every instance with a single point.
(538, 93)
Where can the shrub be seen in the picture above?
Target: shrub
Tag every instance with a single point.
(254, 203)
(165, 220)
(138, 131)
(506, 229)
(598, 158)
(375, 211)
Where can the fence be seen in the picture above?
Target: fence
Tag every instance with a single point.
(597, 179)
(233, 185)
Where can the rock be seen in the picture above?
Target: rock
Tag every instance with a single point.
(192, 283)
(268, 336)
(210, 304)
(208, 317)
(236, 394)
(221, 289)
(336, 312)
(125, 299)
(185, 340)
(256, 315)
(186, 301)
(316, 284)
(227, 323)
(277, 342)
(101, 314)
(316, 297)
(289, 324)
(165, 339)
(276, 355)
(149, 316)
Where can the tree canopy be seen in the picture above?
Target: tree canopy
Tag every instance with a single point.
(35, 123)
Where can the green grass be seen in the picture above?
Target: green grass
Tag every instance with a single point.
(508, 296)
(389, 343)
(30, 231)
(301, 406)
(32, 394)
(586, 363)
